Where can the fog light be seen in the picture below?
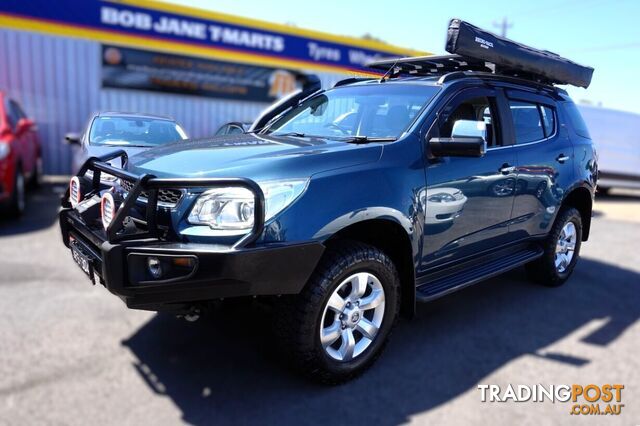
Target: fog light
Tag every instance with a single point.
(75, 191)
(107, 209)
(154, 267)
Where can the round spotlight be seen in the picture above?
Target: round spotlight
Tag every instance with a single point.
(75, 191)
(246, 212)
(154, 266)
(107, 209)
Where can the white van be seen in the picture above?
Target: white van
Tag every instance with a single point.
(616, 135)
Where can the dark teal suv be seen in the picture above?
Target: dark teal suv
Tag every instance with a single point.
(344, 207)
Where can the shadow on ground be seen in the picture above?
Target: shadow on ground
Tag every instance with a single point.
(223, 369)
(41, 211)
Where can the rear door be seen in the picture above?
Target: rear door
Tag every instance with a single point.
(468, 201)
(27, 140)
(544, 155)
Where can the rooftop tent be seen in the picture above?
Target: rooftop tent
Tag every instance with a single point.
(476, 50)
(510, 57)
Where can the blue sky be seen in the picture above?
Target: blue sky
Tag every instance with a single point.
(601, 34)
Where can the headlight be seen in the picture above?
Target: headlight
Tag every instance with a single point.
(231, 208)
(441, 197)
(5, 149)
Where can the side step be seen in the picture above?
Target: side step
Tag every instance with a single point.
(439, 284)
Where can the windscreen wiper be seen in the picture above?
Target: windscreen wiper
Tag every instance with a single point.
(367, 139)
(350, 139)
(296, 134)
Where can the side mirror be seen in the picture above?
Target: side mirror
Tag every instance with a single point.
(72, 138)
(24, 125)
(468, 139)
(457, 147)
(469, 129)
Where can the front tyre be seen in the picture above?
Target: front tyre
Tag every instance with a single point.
(17, 202)
(561, 250)
(337, 327)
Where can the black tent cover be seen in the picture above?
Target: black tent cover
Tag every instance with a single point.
(514, 58)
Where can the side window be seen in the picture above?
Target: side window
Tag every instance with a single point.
(17, 109)
(234, 130)
(476, 109)
(12, 114)
(526, 121)
(577, 122)
(548, 120)
(222, 130)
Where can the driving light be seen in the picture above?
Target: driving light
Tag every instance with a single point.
(155, 267)
(75, 191)
(107, 209)
(232, 208)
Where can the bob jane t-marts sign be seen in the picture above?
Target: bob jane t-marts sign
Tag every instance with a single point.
(146, 70)
(160, 26)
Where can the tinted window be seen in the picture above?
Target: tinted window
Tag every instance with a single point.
(548, 119)
(381, 110)
(577, 122)
(12, 114)
(134, 131)
(234, 130)
(526, 121)
(222, 130)
(474, 109)
(17, 109)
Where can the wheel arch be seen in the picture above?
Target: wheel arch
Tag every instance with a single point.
(581, 199)
(390, 237)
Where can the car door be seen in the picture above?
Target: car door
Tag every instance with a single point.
(468, 201)
(544, 157)
(26, 139)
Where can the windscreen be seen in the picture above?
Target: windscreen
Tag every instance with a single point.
(377, 111)
(134, 131)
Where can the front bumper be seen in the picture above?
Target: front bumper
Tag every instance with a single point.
(118, 256)
(219, 272)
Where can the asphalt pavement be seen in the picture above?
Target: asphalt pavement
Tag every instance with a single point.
(71, 353)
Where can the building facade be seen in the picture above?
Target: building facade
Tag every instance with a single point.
(65, 60)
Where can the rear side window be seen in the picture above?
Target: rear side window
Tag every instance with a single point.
(527, 122)
(577, 122)
(548, 120)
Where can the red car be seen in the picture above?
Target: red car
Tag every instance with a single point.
(20, 155)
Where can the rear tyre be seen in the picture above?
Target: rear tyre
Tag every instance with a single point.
(338, 326)
(561, 250)
(17, 202)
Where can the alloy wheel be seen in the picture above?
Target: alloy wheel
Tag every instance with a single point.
(352, 316)
(565, 247)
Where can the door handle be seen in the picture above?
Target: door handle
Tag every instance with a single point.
(562, 158)
(507, 168)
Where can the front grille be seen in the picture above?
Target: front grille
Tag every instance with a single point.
(167, 197)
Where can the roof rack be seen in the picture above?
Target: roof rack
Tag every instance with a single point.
(447, 65)
(475, 50)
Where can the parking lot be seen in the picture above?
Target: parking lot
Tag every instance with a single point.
(71, 353)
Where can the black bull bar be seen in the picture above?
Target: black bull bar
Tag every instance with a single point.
(149, 184)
